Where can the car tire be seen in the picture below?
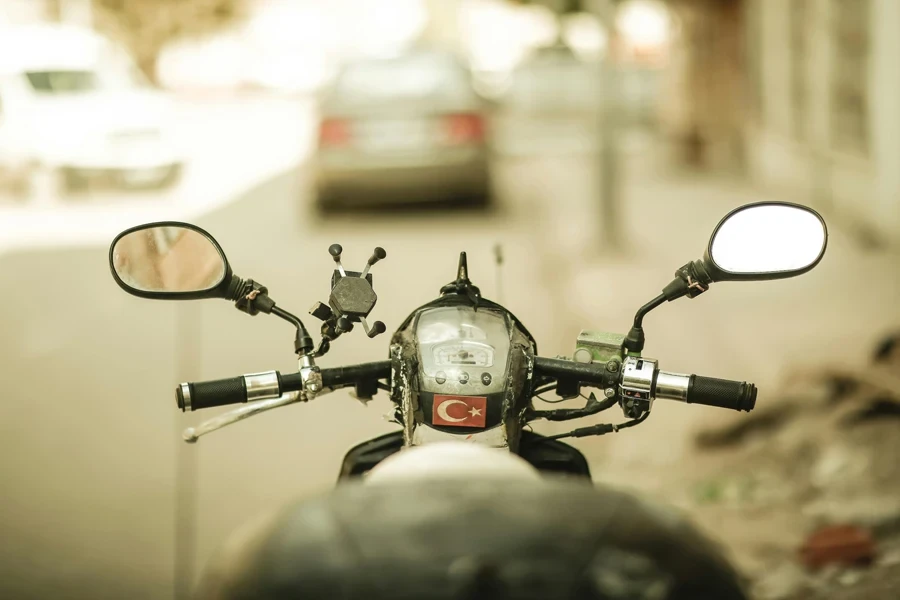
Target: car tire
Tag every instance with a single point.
(73, 182)
(480, 199)
(327, 202)
(18, 187)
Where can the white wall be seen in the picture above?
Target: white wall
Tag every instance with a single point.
(856, 191)
(16, 12)
(885, 79)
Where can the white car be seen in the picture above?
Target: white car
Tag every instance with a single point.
(75, 110)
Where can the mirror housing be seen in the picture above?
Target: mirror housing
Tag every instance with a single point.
(226, 286)
(765, 241)
(162, 264)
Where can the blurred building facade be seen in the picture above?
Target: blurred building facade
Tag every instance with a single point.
(702, 106)
(824, 91)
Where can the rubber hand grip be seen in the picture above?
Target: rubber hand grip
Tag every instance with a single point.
(724, 393)
(207, 394)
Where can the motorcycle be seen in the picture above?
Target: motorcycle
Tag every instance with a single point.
(462, 367)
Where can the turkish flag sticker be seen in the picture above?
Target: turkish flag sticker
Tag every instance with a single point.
(459, 411)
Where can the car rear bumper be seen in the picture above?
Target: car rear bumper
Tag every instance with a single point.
(122, 177)
(422, 179)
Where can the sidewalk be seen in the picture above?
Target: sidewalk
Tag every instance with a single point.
(751, 331)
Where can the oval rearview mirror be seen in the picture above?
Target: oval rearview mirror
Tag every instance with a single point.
(177, 261)
(767, 240)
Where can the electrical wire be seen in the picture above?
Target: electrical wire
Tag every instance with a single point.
(541, 390)
(547, 389)
(601, 429)
(552, 401)
(536, 394)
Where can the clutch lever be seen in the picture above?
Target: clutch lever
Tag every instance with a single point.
(192, 434)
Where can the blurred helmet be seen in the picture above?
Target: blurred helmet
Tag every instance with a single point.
(490, 538)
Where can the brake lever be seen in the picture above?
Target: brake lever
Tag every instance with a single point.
(192, 434)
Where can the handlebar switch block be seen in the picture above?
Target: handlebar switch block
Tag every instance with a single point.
(636, 389)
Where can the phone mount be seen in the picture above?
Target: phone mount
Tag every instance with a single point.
(352, 299)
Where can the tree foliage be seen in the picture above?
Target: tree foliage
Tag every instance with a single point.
(146, 26)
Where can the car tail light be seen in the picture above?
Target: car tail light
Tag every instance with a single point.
(333, 132)
(464, 128)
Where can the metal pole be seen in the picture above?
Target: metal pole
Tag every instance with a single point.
(187, 346)
(612, 238)
(609, 159)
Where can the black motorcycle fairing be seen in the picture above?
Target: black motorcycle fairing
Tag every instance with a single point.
(553, 456)
(548, 456)
(363, 457)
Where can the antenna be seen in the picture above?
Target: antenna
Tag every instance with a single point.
(498, 263)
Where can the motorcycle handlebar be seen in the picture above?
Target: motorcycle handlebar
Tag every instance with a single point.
(340, 376)
(271, 384)
(692, 389)
(584, 372)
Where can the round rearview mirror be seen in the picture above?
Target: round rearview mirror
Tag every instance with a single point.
(169, 260)
(768, 240)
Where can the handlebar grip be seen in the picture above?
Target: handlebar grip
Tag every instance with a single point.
(724, 393)
(234, 390)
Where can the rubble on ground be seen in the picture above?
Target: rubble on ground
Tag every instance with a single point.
(821, 463)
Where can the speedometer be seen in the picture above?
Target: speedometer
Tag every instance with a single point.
(464, 355)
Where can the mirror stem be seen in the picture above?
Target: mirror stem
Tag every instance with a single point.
(634, 341)
(303, 343)
(691, 280)
(639, 316)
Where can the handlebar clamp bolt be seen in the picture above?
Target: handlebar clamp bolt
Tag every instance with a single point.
(612, 366)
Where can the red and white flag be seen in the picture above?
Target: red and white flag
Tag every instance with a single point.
(459, 411)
